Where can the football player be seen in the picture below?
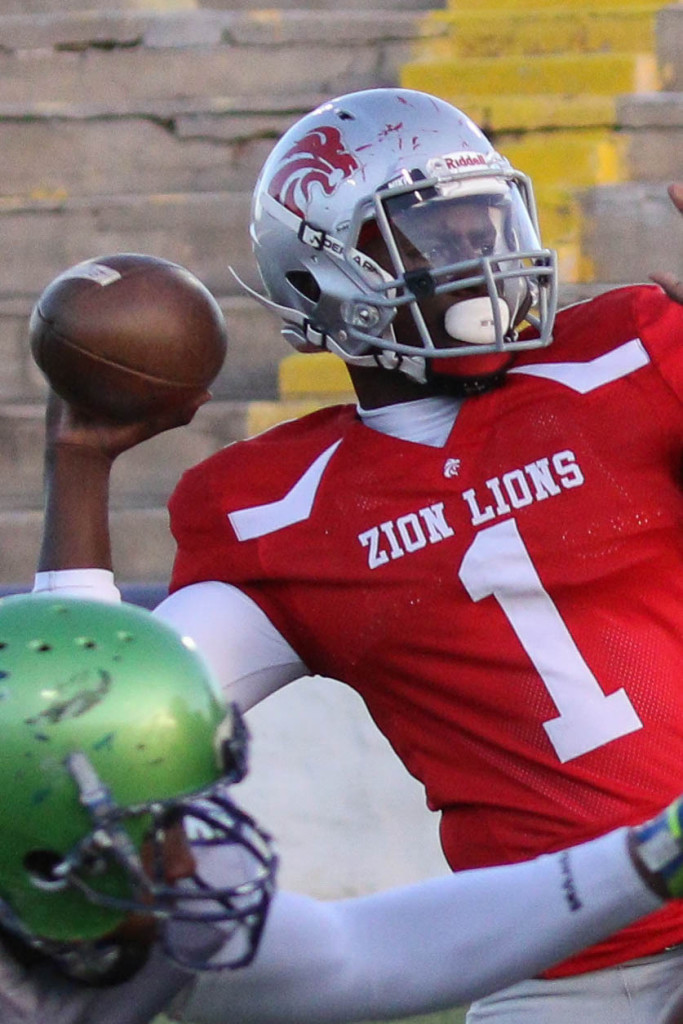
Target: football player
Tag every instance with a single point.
(130, 882)
(487, 547)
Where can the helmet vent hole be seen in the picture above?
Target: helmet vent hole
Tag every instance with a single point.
(345, 115)
(305, 284)
(86, 642)
(39, 646)
(43, 867)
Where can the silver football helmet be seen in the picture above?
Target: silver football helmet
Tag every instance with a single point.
(387, 229)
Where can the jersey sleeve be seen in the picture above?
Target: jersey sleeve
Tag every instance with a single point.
(660, 325)
(250, 474)
(199, 527)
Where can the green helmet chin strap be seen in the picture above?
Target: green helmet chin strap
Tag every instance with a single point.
(113, 732)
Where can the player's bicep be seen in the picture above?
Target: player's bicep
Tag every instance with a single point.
(248, 656)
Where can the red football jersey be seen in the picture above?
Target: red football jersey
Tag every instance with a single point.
(509, 606)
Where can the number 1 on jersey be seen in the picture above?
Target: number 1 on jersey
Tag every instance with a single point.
(497, 564)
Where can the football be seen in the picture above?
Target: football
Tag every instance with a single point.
(127, 335)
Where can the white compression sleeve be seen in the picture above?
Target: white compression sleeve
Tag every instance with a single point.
(425, 947)
(248, 656)
(93, 584)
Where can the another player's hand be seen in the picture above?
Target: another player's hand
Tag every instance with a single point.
(72, 427)
(39, 995)
(672, 283)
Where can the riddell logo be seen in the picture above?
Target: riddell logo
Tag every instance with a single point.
(321, 159)
(459, 160)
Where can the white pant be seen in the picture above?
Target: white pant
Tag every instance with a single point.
(632, 993)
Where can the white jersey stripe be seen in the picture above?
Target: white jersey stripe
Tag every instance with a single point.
(594, 373)
(294, 507)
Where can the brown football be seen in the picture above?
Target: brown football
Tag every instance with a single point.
(127, 335)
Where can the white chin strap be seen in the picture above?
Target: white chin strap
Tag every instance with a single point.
(472, 320)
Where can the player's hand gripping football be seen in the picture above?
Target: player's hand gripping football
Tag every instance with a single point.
(670, 282)
(69, 426)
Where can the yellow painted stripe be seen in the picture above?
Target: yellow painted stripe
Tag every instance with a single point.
(264, 415)
(542, 6)
(578, 158)
(602, 74)
(559, 214)
(513, 113)
(507, 33)
(319, 373)
(561, 225)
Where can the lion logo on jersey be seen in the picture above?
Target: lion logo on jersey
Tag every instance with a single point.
(319, 159)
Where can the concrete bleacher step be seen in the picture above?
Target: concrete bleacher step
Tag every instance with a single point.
(205, 53)
(204, 231)
(652, 127)
(56, 150)
(39, 8)
(541, 6)
(316, 6)
(140, 537)
(670, 45)
(142, 478)
(631, 230)
(33, 8)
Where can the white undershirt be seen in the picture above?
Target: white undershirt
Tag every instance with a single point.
(423, 421)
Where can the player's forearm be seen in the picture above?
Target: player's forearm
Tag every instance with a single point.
(76, 524)
(429, 946)
(80, 449)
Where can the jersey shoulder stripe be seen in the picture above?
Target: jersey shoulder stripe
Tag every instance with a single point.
(591, 374)
(294, 507)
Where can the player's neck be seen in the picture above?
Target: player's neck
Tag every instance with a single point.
(376, 388)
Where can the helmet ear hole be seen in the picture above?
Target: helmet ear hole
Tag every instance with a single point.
(42, 867)
(303, 282)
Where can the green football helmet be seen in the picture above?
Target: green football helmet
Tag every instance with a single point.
(113, 731)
